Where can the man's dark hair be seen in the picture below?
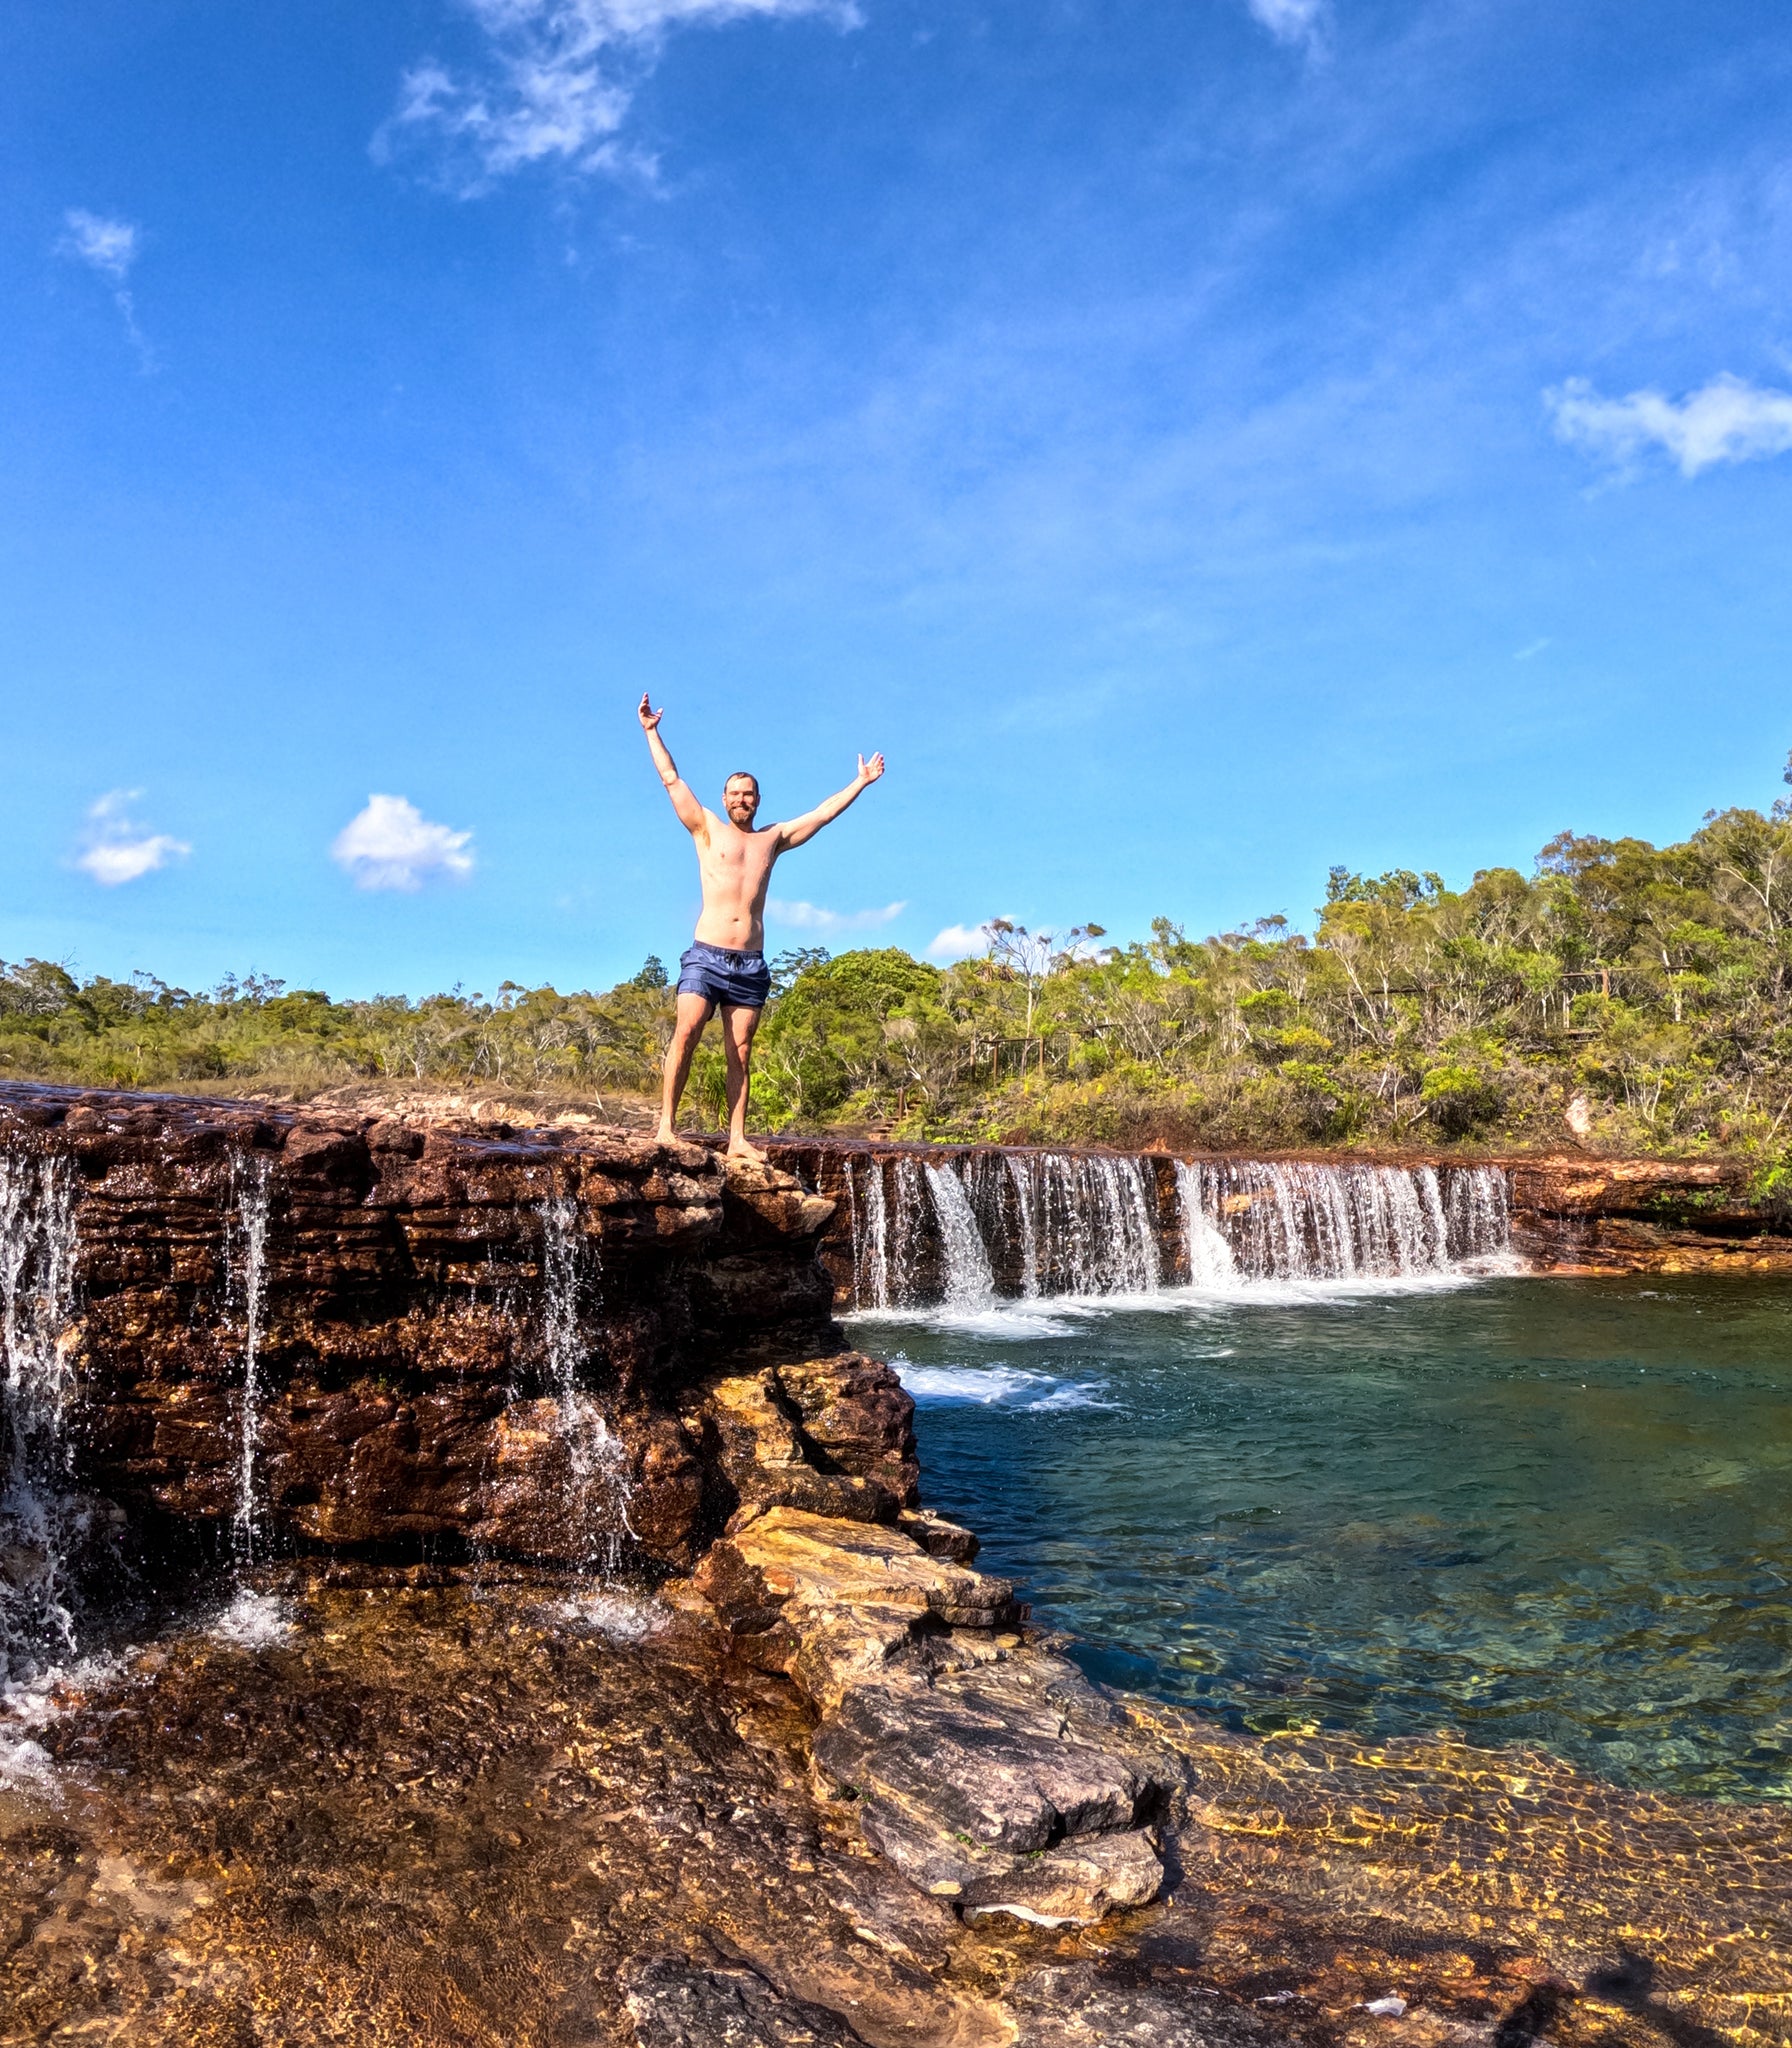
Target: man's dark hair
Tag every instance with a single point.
(741, 775)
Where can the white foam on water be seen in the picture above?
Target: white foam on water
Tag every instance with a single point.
(29, 1705)
(1081, 1394)
(252, 1621)
(987, 1385)
(1308, 1293)
(622, 1617)
(25, 1765)
(1021, 1319)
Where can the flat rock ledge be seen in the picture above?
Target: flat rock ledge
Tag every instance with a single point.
(984, 1767)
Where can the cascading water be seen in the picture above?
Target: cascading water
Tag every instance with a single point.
(871, 1240)
(1020, 1175)
(37, 1272)
(969, 1282)
(967, 1229)
(251, 1178)
(1300, 1220)
(1088, 1224)
(596, 1462)
(1478, 1212)
(1204, 1247)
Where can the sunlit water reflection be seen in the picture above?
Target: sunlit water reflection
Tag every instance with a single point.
(1542, 1511)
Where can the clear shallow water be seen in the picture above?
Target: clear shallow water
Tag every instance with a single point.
(1549, 1512)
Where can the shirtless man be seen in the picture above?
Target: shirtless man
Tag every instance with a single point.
(726, 967)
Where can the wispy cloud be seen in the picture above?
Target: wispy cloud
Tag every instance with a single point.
(811, 917)
(110, 248)
(115, 848)
(556, 83)
(958, 942)
(1532, 649)
(1728, 420)
(391, 845)
(1301, 22)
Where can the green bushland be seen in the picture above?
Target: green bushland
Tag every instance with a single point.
(1647, 987)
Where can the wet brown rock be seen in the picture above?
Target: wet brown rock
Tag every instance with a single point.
(675, 2004)
(405, 1359)
(1081, 2005)
(518, 1810)
(989, 1772)
(833, 1436)
(937, 1536)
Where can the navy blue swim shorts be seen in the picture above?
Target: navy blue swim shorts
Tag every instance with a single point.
(741, 980)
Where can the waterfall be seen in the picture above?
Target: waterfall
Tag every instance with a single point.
(972, 1227)
(597, 1465)
(1020, 1175)
(1095, 1221)
(908, 1226)
(37, 1275)
(871, 1245)
(1478, 1211)
(1303, 1220)
(1209, 1256)
(969, 1281)
(251, 1175)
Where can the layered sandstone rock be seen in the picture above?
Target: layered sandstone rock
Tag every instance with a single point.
(360, 1333)
(1642, 1215)
(986, 1769)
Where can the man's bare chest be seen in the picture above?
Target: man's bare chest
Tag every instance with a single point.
(739, 857)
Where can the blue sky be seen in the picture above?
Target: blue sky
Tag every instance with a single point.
(1198, 442)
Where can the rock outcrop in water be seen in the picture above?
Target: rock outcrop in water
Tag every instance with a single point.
(989, 1772)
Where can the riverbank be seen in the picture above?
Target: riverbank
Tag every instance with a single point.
(460, 1587)
(502, 1810)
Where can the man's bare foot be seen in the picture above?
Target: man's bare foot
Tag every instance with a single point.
(665, 1135)
(738, 1148)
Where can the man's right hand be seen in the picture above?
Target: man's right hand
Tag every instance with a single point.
(649, 718)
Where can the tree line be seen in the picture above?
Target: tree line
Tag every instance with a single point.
(1639, 992)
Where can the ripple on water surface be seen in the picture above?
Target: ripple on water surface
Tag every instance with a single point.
(1541, 1511)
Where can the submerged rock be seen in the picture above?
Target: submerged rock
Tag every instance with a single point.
(675, 2004)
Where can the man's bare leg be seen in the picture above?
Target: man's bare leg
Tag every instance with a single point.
(738, 1027)
(693, 1013)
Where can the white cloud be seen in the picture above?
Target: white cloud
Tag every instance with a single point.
(1291, 21)
(116, 848)
(558, 82)
(958, 942)
(108, 246)
(811, 917)
(1729, 420)
(391, 845)
(1531, 650)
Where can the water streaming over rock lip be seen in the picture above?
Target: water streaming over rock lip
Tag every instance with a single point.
(967, 1229)
(37, 1271)
(969, 1281)
(598, 1473)
(250, 1183)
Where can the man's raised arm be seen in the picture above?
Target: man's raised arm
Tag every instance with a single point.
(811, 822)
(690, 811)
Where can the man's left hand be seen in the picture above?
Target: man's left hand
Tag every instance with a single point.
(870, 770)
